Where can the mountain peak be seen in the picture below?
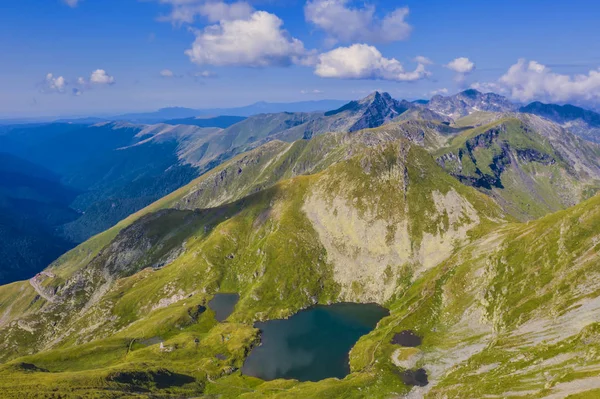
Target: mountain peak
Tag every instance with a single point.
(473, 93)
(376, 96)
(468, 101)
(372, 111)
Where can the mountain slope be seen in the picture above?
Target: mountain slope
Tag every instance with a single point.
(222, 122)
(529, 165)
(363, 216)
(370, 112)
(580, 121)
(262, 107)
(469, 101)
(32, 204)
(245, 246)
(114, 170)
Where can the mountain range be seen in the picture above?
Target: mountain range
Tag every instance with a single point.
(118, 168)
(474, 220)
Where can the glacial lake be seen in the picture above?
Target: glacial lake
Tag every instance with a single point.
(223, 305)
(313, 344)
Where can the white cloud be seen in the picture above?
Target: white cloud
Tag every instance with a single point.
(99, 76)
(71, 3)
(442, 91)
(423, 60)
(489, 87)
(315, 91)
(526, 81)
(186, 11)
(344, 23)
(258, 41)
(59, 84)
(54, 84)
(167, 73)
(361, 61)
(461, 65)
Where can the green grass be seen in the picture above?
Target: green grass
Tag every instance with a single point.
(159, 269)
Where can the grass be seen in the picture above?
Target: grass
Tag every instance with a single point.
(263, 246)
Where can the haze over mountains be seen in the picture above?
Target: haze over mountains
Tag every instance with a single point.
(170, 113)
(473, 219)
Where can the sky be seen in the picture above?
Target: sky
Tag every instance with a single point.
(95, 57)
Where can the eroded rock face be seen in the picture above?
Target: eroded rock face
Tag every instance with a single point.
(359, 248)
(367, 251)
(469, 101)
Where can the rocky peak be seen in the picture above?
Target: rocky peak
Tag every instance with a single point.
(377, 109)
(469, 101)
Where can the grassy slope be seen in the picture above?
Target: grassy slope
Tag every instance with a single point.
(525, 171)
(472, 309)
(246, 247)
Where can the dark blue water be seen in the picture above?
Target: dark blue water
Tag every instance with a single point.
(223, 305)
(313, 344)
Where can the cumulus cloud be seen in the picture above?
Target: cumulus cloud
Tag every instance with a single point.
(344, 23)
(361, 61)
(71, 3)
(99, 76)
(59, 84)
(167, 73)
(489, 87)
(461, 65)
(526, 81)
(54, 84)
(258, 41)
(186, 11)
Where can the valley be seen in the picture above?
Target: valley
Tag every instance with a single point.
(212, 258)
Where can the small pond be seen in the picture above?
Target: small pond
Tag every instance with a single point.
(223, 305)
(313, 344)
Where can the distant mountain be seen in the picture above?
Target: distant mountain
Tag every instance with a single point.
(424, 114)
(469, 101)
(120, 167)
(177, 113)
(157, 116)
(219, 121)
(372, 111)
(582, 122)
(117, 168)
(33, 203)
(266, 107)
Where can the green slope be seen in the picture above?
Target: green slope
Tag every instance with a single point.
(371, 216)
(134, 287)
(528, 165)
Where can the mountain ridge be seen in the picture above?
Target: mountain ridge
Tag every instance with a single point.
(391, 214)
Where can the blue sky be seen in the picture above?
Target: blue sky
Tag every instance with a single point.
(131, 55)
